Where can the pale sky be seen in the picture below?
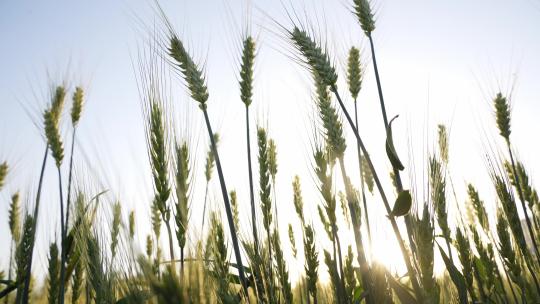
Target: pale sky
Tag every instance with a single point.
(440, 62)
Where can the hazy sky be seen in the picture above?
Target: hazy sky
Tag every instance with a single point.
(440, 62)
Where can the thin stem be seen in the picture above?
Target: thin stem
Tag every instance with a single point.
(70, 179)
(27, 277)
(204, 206)
(251, 192)
(63, 228)
(228, 211)
(10, 265)
(340, 260)
(171, 248)
(410, 269)
(361, 255)
(362, 176)
(399, 186)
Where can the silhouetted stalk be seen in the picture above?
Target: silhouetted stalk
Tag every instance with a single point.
(399, 185)
(10, 266)
(251, 192)
(70, 179)
(410, 269)
(68, 203)
(26, 289)
(204, 205)
(171, 248)
(362, 176)
(340, 261)
(361, 255)
(63, 227)
(228, 211)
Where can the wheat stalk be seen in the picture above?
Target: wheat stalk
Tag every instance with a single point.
(199, 92)
(354, 80)
(246, 95)
(502, 114)
(318, 61)
(76, 110)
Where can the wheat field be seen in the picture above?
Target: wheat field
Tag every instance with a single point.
(379, 212)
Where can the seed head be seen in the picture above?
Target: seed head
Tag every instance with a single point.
(479, 208)
(354, 73)
(502, 115)
(293, 241)
(330, 119)
(158, 157)
(78, 101)
(316, 59)
(192, 74)
(312, 261)
(264, 178)
(57, 103)
(149, 246)
(234, 205)
(182, 192)
(132, 224)
(209, 166)
(51, 118)
(14, 218)
(443, 142)
(52, 133)
(115, 230)
(54, 273)
(362, 10)
(297, 198)
(272, 159)
(3, 172)
(246, 71)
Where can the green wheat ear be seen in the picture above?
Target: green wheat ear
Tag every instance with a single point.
(502, 115)
(246, 71)
(297, 199)
(54, 273)
(3, 173)
(192, 74)
(115, 230)
(234, 205)
(57, 104)
(78, 101)
(149, 246)
(479, 208)
(330, 119)
(354, 73)
(14, 218)
(362, 10)
(132, 224)
(443, 142)
(317, 59)
(51, 118)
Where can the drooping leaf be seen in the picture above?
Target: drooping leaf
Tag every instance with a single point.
(403, 203)
(456, 277)
(390, 149)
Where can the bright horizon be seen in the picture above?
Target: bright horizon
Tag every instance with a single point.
(439, 63)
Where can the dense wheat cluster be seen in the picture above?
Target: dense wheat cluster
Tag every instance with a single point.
(486, 260)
